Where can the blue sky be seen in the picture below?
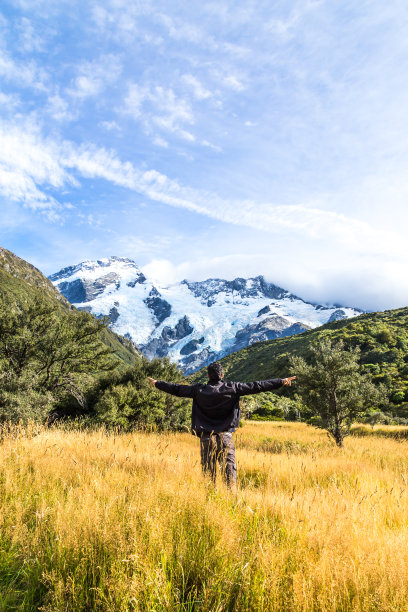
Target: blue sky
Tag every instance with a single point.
(210, 139)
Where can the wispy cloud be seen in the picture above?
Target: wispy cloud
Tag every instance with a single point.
(199, 91)
(118, 20)
(110, 126)
(160, 142)
(59, 108)
(26, 74)
(233, 82)
(29, 38)
(94, 76)
(181, 29)
(157, 107)
(9, 101)
(30, 165)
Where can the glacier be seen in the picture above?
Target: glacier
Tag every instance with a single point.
(191, 322)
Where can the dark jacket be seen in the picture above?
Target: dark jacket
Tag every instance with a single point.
(216, 404)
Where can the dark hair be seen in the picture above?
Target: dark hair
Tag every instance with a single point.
(215, 371)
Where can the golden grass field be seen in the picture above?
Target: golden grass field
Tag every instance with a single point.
(96, 521)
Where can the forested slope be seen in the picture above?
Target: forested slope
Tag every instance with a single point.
(381, 336)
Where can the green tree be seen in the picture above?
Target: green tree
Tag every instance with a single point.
(333, 388)
(46, 354)
(125, 399)
(398, 397)
(20, 398)
(270, 407)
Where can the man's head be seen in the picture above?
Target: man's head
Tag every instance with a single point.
(215, 371)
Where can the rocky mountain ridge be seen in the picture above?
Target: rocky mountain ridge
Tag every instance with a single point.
(193, 322)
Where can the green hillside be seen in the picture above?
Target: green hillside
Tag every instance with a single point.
(57, 362)
(19, 280)
(381, 336)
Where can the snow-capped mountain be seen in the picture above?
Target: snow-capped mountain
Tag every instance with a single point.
(193, 323)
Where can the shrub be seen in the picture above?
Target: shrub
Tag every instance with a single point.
(126, 400)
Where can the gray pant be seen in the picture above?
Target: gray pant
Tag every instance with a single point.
(219, 447)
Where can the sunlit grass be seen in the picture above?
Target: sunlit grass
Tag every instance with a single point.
(91, 521)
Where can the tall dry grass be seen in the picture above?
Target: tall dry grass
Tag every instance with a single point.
(91, 521)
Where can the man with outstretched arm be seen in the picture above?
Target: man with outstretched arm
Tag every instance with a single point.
(216, 414)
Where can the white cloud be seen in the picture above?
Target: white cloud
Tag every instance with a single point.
(119, 20)
(29, 39)
(186, 135)
(285, 27)
(347, 280)
(354, 235)
(92, 162)
(221, 266)
(94, 76)
(43, 5)
(362, 259)
(20, 186)
(26, 74)
(180, 29)
(199, 91)
(160, 142)
(172, 111)
(93, 220)
(85, 86)
(59, 108)
(233, 82)
(162, 271)
(102, 16)
(160, 107)
(134, 100)
(208, 144)
(9, 101)
(29, 166)
(110, 126)
(124, 20)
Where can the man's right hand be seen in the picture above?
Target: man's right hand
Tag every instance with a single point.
(152, 381)
(288, 381)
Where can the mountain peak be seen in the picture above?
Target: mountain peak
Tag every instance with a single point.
(239, 287)
(90, 266)
(193, 322)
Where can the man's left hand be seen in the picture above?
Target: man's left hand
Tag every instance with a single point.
(288, 381)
